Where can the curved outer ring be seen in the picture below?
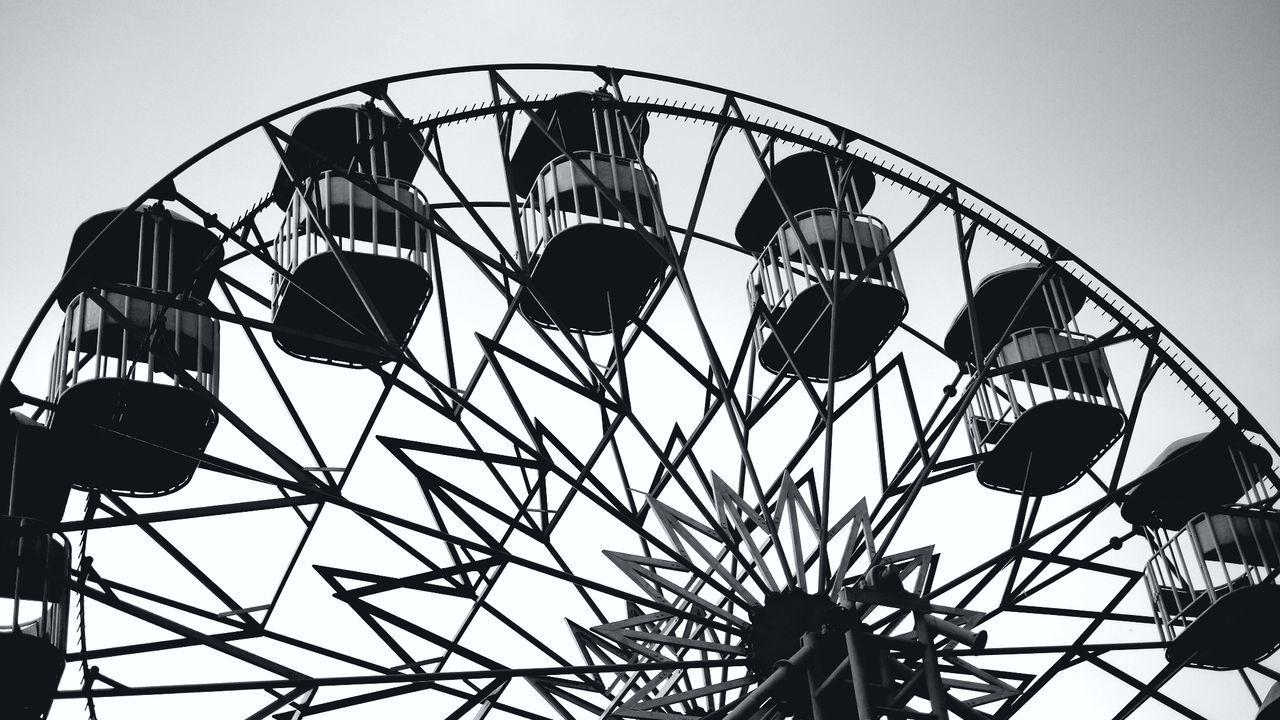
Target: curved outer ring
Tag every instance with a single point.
(913, 175)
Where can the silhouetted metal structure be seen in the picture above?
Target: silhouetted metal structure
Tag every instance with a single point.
(590, 368)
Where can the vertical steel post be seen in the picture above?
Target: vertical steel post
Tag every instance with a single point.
(858, 673)
(932, 676)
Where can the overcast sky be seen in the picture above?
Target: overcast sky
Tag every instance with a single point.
(1140, 134)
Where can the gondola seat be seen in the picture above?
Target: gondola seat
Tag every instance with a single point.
(569, 187)
(839, 242)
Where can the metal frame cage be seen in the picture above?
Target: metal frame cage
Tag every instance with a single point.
(588, 187)
(370, 223)
(1038, 365)
(835, 246)
(1215, 557)
(752, 596)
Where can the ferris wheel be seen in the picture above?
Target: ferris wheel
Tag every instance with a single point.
(629, 397)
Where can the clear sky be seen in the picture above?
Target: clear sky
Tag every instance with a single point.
(1140, 134)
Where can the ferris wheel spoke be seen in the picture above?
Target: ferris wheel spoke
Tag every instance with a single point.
(1044, 563)
(472, 698)
(1013, 599)
(178, 556)
(426, 680)
(542, 535)
(1150, 365)
(243, 289)
(116, 589)
(377, 585)
(437, 164)
(439, 489)
(1021, 607)
(718, 136)
(240, 631)
(487, 265)
(121, 520)
(735, 413)
(592, 391)
(337, 487)
(495, 339)
(1089, 563)
(585, 472)
(997, 561)
(655, 431)
(1151, 689)
(136, 649)
(535, 460)
(222, 646)
(504, 122)
(274, 377)
(1023, 522)
(618, 511)
(290, 699)
(819, 406)
(1069, 653)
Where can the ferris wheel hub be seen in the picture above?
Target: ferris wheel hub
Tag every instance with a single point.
(351, 246)
(779, 628)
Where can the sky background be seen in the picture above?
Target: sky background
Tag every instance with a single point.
(1139, 134)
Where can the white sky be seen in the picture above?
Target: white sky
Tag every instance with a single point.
(1140, 135)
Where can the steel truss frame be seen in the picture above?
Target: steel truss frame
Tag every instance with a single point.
(627, 672)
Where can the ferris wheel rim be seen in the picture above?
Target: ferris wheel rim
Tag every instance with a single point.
(1203, 387)
(952, 185)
